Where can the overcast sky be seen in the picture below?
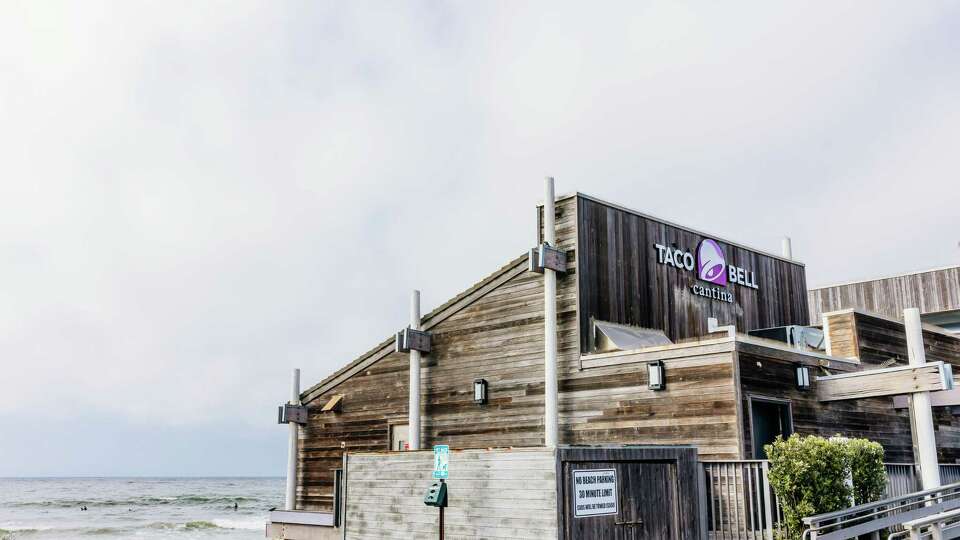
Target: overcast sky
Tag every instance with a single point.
(196, 197)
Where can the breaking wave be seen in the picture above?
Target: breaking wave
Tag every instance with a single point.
(15, 533)
(179, 500)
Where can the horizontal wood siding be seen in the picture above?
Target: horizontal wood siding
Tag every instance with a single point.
(931, 292)
(880, 339)
(492, 494)
(497, 337)
(613, 404)
(761, 375)
(622, 281)
(840, 330)
(873, 418)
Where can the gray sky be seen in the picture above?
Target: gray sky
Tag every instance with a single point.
(197, 197)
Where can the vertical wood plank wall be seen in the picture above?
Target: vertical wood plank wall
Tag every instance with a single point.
(932, 292)
(492, 494)
(622, 281)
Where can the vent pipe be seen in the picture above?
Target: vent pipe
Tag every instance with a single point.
(414, 403)
(787, 247)
(921, 412)
(291, 499)
(550, 323)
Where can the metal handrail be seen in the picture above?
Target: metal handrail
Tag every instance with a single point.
(912, 528)
(870, 517)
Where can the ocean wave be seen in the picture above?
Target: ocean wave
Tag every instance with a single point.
(13, 533)
(174, 500)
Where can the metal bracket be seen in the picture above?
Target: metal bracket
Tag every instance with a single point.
(287, 414)
(409, 339)
(547, 257)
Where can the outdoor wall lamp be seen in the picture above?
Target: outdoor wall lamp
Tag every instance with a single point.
(479, 391)
(803, 377)
(655, 376)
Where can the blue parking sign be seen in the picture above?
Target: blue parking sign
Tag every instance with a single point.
(441, 461)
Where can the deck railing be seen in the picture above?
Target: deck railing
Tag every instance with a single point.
(740, 503)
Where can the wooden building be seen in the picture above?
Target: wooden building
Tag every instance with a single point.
(726, 392)
(935, 292)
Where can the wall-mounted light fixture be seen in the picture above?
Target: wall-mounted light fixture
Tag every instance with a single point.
(479, 391)
(655, 376)
(803, 377)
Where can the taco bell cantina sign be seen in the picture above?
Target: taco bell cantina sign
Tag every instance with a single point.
(711, 267)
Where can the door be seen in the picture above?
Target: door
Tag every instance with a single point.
(399, 437)
(768, 419)
(621, 500)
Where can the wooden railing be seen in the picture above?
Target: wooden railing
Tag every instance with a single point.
(739, 501)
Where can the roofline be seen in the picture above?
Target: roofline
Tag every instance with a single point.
(904, 274)
(434, 317)
(924, 325)
(566, 196)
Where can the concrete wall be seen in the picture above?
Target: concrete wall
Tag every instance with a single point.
(497, 493)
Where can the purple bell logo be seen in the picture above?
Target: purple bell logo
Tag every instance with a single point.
(711, 265)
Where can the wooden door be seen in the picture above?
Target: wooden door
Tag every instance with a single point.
(644, 502)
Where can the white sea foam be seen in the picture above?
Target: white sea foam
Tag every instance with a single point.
(245, 524)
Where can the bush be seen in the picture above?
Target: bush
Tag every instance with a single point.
(809, 475)
(866, 466)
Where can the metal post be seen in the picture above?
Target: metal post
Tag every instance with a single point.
(441, 523)
(414, 403)
(787, 247)
(551, 428)
(921, 410)
(291, 500)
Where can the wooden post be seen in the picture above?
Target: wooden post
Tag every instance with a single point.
(413, 415)
(291, 499)
(920, 408)
(551, 423)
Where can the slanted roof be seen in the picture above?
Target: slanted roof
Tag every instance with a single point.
(505, 273)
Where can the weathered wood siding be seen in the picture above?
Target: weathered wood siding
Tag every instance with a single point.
(932, 292)
(497, 336)
(609, 401)
(874, 418)
(622, 281)
(495, 331)
(492, 494)
(767, 375)
(874, 339)
(840, 334)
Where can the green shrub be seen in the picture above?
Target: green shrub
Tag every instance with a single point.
(809, 475)
(866, 465)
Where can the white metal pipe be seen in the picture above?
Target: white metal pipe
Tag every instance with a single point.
(291, 499)
(921, 408)
(413, 422)
(551, 428)
(787, 247)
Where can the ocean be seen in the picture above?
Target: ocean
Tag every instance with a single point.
(181, 508)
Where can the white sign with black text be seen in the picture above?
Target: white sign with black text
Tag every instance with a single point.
(594, 492)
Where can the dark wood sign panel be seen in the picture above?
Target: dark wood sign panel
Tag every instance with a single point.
(621, 279)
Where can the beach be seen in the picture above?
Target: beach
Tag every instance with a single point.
(185, 508)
